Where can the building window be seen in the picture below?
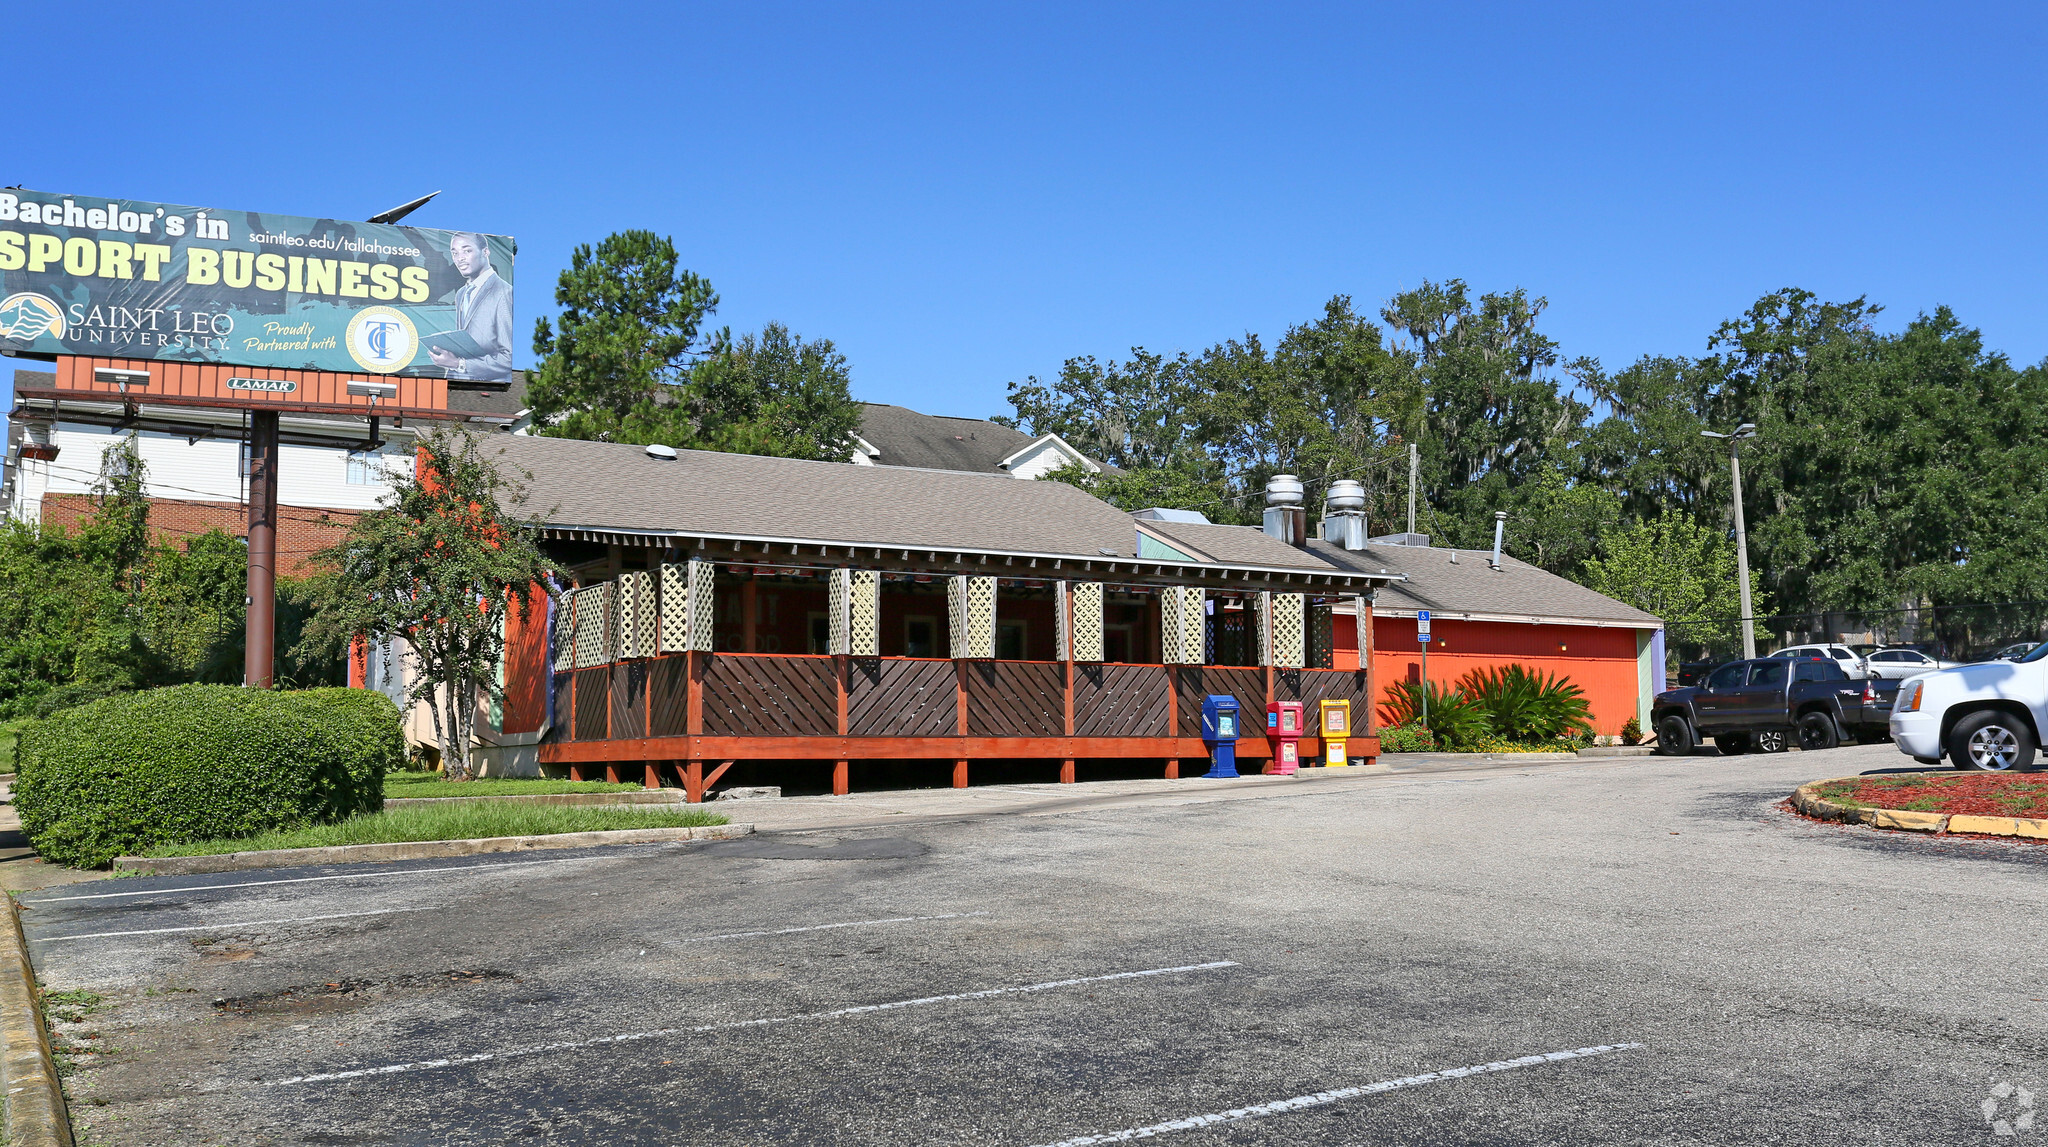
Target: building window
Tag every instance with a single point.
(1010, 641)
(821, 632)
(920, 637)
(376, 467)
(366, 467)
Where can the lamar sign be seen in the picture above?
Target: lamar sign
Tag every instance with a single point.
(131, 280)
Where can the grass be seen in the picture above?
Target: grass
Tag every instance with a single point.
(451, 822)
(431, 785)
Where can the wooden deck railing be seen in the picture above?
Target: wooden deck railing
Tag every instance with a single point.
(689, 708)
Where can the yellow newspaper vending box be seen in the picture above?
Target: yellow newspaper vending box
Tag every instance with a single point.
(1336, 730)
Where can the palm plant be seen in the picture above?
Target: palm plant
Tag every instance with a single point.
(1455, 720)
(1525, 705)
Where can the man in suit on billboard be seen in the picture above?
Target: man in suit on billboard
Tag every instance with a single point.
(483, 311)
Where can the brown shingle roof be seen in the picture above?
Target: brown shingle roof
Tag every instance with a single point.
(603, 486)
(935, 442)
(1471, 586)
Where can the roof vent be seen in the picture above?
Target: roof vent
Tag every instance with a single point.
(665, 453)
(1344, 514)
(1285, 519)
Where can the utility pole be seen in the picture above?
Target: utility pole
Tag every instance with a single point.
(260, 639)
(1413, 469)
(1746, 430)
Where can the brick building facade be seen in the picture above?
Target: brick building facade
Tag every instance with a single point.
(301, 531)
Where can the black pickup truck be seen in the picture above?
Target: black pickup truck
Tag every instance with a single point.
(1763, 704)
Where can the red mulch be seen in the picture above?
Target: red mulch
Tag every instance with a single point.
(1968, 794)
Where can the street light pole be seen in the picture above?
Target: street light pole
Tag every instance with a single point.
(1746, 430)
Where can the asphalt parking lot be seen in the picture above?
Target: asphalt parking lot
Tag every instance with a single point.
(1621, 951)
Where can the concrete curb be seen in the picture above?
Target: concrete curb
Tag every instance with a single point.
(1482, 756)
(35, 1100)
(416, 850)
(645, 796)
(1618, 751)
(1808, 800)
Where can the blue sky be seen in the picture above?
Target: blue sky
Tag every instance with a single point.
(963, 195)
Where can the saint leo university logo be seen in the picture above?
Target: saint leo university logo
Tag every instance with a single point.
(27, 316)
(382, 340)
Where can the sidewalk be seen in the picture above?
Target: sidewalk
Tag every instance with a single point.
(900, 806)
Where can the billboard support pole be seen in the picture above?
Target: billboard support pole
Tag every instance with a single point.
(259, 645)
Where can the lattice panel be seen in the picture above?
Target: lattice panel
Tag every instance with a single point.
(563, 618)
(1263, 639)
(675, 607)
(1322, 636)
(864, 614)
(639, 619)
(838, 608)
(971, 604)
(1183, 625)
(1062, 622)
(590, 638)
(1290, 630)
(1087, 621)
(855, 607)
(697, 630)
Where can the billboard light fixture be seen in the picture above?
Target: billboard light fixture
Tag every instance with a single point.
(121, 378)
(373, 390)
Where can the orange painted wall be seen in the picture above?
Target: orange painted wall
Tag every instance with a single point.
(526, 665)
(1600, 661)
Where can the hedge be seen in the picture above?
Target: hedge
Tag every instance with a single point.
(198, 762)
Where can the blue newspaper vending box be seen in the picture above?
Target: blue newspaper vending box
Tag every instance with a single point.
(1220, 733)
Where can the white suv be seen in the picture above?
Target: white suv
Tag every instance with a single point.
(1842, 655)
(1986, 716)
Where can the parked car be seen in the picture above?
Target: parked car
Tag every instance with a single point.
(2015, 651)
(1898, 664)
(1985, 716)
(1691, 672)
(1763, 703)
(1851, 662)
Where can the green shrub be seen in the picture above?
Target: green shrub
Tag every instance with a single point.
(1410, 738)
(198, 762)
(1528, 706)
(1631, 731)
(1455, 721)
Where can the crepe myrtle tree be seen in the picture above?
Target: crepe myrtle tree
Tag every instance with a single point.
(441, 561)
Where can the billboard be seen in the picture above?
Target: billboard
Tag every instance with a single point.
(118, 278)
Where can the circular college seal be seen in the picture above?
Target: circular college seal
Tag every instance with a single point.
(382, 340)
(27, 316)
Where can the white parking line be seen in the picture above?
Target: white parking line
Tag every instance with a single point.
(730, 1025)
(309, 880)
(235, 924)
(1320, 1098)
(823, 927)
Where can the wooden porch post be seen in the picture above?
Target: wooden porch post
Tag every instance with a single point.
(959, 716)
(1067, 657)
(840, 779)
(693, 724)
(1173, 673)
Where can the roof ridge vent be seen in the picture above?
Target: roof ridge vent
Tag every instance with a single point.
(665, 453)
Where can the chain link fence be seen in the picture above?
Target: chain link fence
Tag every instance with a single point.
(1947, 632)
